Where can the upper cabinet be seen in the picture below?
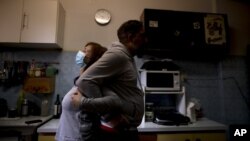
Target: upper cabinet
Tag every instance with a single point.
(11, 19)
(186, 35)
(31, 23)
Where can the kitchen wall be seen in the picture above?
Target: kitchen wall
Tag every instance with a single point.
(80, 26)
(221, 86)
(64, 79)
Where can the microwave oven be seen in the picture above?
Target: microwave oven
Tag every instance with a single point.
(160, 80)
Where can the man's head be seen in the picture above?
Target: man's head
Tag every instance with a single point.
(131, 34)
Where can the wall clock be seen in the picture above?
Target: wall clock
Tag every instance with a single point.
(102, 16)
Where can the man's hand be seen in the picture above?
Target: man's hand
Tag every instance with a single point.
(76, 99)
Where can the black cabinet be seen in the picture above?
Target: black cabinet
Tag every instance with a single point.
(173, 34)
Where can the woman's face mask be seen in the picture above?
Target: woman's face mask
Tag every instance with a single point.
(79, 58)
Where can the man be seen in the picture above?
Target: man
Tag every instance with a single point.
(116, 70)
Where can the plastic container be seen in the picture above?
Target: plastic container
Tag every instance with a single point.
(45, 107)
(25, 108)
(50, 71)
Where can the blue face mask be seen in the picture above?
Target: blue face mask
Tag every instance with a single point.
(79, 58)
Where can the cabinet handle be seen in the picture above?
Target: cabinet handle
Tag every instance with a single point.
(25, 20)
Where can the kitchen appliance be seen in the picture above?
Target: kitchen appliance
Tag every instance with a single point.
(168, 116)
(160, 75)
(153, 80)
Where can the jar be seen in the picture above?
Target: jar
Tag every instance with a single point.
(149, 113)
(38, 72)
(31, 72)
(43, 72)
(12, 112)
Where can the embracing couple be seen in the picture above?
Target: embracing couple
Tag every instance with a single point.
(105, 103)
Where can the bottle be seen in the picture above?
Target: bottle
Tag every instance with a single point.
(57, 107)
(20, 102)
(25, 107)
(32, 68)
(149, 113)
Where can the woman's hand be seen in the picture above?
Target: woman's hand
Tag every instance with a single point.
(76, 99)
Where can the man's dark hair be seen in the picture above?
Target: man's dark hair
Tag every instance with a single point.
(131, 27)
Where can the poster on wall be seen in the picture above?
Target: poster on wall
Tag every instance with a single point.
(215, 33)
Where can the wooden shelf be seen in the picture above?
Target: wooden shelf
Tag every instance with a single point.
(44, 85)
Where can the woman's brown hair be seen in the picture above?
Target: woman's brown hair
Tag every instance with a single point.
(97, 52)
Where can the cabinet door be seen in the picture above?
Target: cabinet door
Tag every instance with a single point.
(174, 137)
(147, 137)
(210, 137)
(45, 137)
(40, 21)
(192, 137)
(11, 19)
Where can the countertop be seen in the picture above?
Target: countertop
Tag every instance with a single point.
(18, 124)
(20, 121)
(203, 124)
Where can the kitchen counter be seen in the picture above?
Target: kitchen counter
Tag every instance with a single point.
(20, 121)
(203, 130)
(201, 125)
(18, 124)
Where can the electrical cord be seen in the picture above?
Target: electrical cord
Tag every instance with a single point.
(240, 90)
(245, 99)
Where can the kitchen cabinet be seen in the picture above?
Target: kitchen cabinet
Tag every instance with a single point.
(31, 21)
(11, 19)
(192, 137)
(46, 137)
(142, 137)
(147, 137)
(202, 130)
(18, 127)
(163, 137)
(188, 35)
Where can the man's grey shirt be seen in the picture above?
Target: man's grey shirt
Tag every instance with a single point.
(115, 70)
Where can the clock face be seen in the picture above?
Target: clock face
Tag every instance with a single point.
(102, 16)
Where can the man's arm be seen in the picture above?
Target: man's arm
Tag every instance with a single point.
(110, 102)
(97, 76)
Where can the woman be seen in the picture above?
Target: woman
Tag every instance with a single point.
(69, 126)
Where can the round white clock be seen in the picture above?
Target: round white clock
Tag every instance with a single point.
(102, 16)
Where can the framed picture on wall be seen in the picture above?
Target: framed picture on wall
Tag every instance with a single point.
(215, 32)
